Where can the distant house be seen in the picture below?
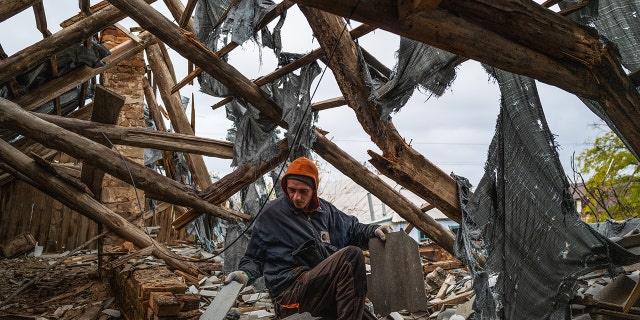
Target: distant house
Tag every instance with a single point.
(355, 200)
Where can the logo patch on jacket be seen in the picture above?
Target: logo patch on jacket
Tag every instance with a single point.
(324, 236)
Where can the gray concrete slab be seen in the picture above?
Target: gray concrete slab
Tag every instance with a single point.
(223, 301)
(397, 281)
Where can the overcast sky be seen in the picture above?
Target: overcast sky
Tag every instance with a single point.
(453, 131)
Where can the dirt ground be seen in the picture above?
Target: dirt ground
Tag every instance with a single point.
(69, 291)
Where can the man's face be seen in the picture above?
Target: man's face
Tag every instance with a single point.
(299, 192)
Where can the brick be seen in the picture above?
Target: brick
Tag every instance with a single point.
(164, 304)
(188, 302)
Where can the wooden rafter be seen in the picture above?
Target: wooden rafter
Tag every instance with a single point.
(569, 56)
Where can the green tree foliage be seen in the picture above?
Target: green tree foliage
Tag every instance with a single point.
(613, 189)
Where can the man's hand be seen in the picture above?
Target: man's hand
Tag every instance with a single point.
(237, 276)
(382, 231)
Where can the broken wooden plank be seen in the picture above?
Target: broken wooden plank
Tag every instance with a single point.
(450, 280)
(437, 304)
(453, 32)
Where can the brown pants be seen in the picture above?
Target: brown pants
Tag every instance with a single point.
(334, 289)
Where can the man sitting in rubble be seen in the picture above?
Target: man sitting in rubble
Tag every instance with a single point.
(308, 251)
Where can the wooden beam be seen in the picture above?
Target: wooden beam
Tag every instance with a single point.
(408, 8)
(85, 6)
(173, 103)
(93, 9)
(155, 185)
(9, 8)
(372, 183)
(177, 10)
(81, 202)
(456, 33)
(41, 19)
(185, 19)
(194, 50)
(30, 57)
(106, 108)
(328, 104)
(568, 56)
(68, 81)
(436, 186)
(571, 9)
(144, 138)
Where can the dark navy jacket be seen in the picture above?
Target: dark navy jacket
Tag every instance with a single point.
(285, 241)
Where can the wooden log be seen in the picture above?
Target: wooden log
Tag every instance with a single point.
(9, 8)
(154, 184)
(84, 204)
(58, 86)
(178, 10)
(567, 55)
(144, 138)
(30, 57)
(372, 183)
(41, 22)
(224, 188)
(430, 183)
(456, 34)
(193, 50)
(173, 103)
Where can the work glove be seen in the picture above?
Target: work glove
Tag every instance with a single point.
(382, 231)
(237, 276)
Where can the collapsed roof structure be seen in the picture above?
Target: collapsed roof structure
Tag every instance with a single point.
(589, 49)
